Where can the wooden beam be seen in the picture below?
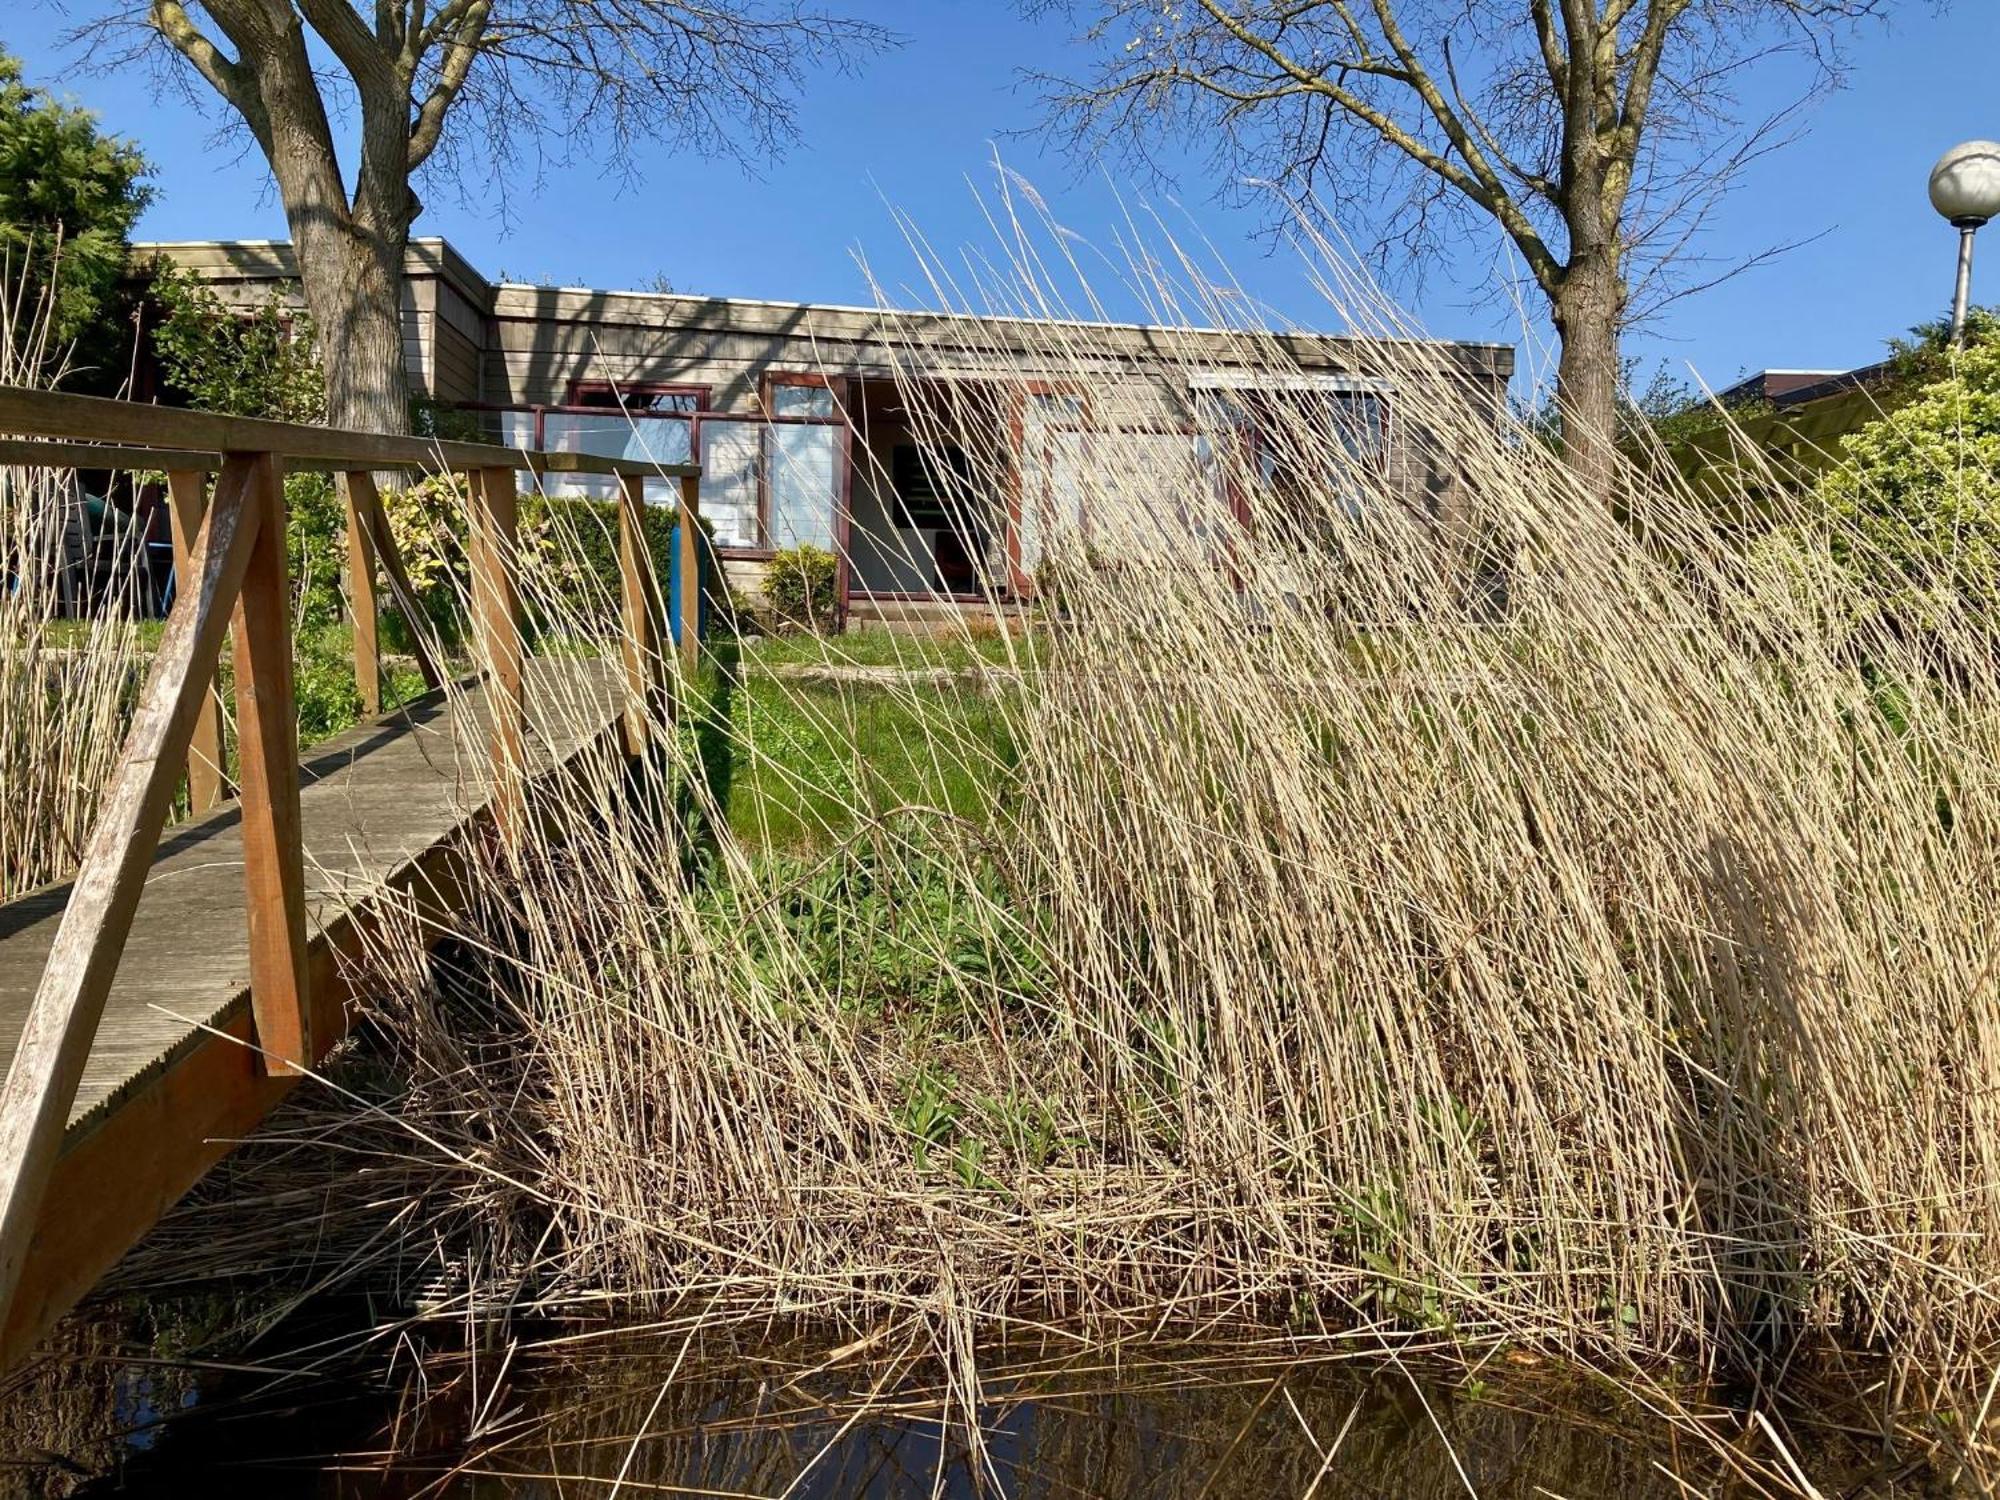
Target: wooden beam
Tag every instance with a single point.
(268, 750)
(690, 553)
(640, 615)
(496, 621)
(62, 1021)
(56, 414)
(28, 453)
(207, 770)
(355, 492)
(404, 592)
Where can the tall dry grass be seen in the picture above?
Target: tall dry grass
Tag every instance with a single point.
(1496, 919)
(64, 696)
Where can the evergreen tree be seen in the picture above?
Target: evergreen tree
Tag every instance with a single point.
(69, 195)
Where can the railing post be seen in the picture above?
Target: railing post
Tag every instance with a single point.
(640, 613)
(267, 737)
(356, 492)
(690, 555)
(496, 620)
(207, 782)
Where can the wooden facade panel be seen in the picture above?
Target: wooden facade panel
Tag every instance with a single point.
(536, 378)
(583, 342)
(605, 311)
(527, 381)
(459, 312)
(580, 343)
(455, 365)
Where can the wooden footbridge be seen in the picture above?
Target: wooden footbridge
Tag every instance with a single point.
(156, 1007)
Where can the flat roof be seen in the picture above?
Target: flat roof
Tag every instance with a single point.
(879, 309)
(446, 248)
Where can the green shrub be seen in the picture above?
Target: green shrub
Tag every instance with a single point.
(579, 538)
(323, 684)
(800, 587)
(1915, 506)
(215, 358)
(69, 196)
(315, 548)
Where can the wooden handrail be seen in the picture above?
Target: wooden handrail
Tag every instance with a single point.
(126, 458)
(132, 435)
(231, 561)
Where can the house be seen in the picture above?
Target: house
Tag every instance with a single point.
(800, 417)
(1786, 427)
(1791, 390)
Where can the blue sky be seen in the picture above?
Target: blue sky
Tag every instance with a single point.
(917, 132)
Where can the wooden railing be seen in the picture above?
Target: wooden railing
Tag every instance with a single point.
(230, 568)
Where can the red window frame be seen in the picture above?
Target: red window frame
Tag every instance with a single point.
(1019, 584)
(630, 393)
(768, 382)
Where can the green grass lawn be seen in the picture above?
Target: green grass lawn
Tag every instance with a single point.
(882, 648)
(808, 762)
(801, 763)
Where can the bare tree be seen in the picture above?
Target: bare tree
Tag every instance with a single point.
(458, 90)
(1597, 134)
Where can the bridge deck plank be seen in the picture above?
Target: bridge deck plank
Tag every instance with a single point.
(374, 801)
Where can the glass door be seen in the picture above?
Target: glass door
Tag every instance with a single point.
(1047, 515)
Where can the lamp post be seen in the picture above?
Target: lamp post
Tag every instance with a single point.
(1965, 188)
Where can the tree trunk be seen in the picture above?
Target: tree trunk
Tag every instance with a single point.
(1588, 312)
(350, 258)
(354, 291)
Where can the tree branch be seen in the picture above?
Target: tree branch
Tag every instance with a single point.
(463, 51)
(1476, 178)
(226, 76)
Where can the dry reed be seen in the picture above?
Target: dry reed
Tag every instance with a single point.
(64, 699)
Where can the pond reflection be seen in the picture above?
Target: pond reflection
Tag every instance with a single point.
(635, 1419)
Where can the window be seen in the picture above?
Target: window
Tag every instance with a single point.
(804, 460)
(640, 399)
(1051, 474)
(788, 399)
(646, 423)
(1272, 428)
(804, 468)
(730, 459)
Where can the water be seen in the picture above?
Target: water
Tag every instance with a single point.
(646, 1420)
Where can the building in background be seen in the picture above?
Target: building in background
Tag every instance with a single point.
(854, 429)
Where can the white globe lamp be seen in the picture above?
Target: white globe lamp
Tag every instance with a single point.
(1965, 188)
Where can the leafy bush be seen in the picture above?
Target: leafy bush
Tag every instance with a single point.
(259, 364)
(315, 544)
(579, 537)
(800, 587)
(255, 364)
(428, 523)
(323, 684)
(574, 539)
(1915, 506)
(1925, 353)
